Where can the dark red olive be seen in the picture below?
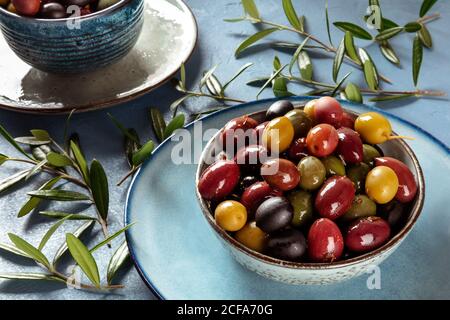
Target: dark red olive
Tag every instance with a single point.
(288, 244)
(366, 234)
(27, 7)
(219, 180)
(278, 109)
(255, 194)
(281, 174)
(53, 10)
(347, 121)
(392, 212)
(335, 197)
(350, 146)
(250, 158)
(239, 132)
(298, 150)
(328, 110)
(322, 140)
(325, 241)
(407, 186)
(274, 214)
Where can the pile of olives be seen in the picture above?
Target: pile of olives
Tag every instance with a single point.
(54, 9)
(330, 183)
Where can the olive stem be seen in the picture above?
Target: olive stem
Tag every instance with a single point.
(82, 285)
(431, 17)
(129, 174)
(400, 137)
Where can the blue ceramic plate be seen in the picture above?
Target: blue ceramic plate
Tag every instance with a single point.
(178, 256)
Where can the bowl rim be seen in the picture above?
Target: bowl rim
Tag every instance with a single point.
(367, 257)
(118, 5)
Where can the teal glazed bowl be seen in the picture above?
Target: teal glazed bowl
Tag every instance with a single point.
(75, 44)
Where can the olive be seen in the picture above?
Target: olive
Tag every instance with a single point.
(53, 10)
(361, 207)
(278, 109)
(407, 187)
(347, 121)
(369, 154)
(281, 174)
(288, 244)
(312, 173)
(80, 3)
(392, 212)
(278, 134)
(350, 147)
(381, 184)
(274, 214)
(357, 173)
(245, 182)
(335, 197)
(373, 127)
(255, 194)
(302, 204)
(219, 180)
(367, 234)
(230, 215)
(252, 237)
(309, 109)
(322, 140)
(301, 122)
(333, 166)
(239, 132)
(27, 7)
(260, 130)
(325, 241)
(298, 149)
(11, 8)
(250, 158)
(328, 110)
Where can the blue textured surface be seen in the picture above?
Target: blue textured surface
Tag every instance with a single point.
(217, 40)
(50, 45)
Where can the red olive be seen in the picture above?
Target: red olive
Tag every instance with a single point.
(366, 234)
(322, 140)
(350, 146)
(328, 110)
(281, 174)
(335, 197)
(241, 132)
(347, 121)
(27, 7)
(298, 150)
(250, 158)
(325, 241)
(219, 180)
(407, 186)
(254, 195)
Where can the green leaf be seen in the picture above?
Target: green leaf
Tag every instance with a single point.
(51, 231)
(99, 188)
(80, 160)
(305, 65)
(117, 260)
(10, 139)
(296, 54)
(35, 169)
(77, 233)
(412, 27)
(391, 97)
(236, 75)
(370, 71)
(59, 195)
(143, 153)
(67, 125)
(31, 141)
(353, 93)
(269, 81)
(110, 238)
(388, 33)
(40, 152)
(279, 88)
(339, 85)
(338, 58)
(3, 158)
(158, 123)
(176, 123)
(33, 202)
(12, 249)
(350, 48)
(206, 75)
(174, 106)
(131, 147)
(213, 85)
(30, 276)
(389, 53)
(11, 181)
(327, 18)
(24, 246)
(291, 15)
(234, 19)
(83, 258)
(40, 135)
(183, 75)
(254, 38)
(388, 24)
(426, 6)
(425, 37)
(356, 30)
(416, 58)
(64, 215)
(250, 8)
(276, 63)
(258, 82)
(58, 160)
(121, 127)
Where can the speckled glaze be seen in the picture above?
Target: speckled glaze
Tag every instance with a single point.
(316, 273)
(50, 45)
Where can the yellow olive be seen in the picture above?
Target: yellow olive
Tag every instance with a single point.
(373, 127)
(381, 184)
(231, 215)
(309, 109)
(252, 237)
(278, 133)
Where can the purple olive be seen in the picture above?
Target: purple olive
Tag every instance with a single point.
(350, 147)
(274, 214)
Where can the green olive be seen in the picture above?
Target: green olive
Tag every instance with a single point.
(357, 174)
(334, 166)
(361, 207)
(302, 203)
(301, 122)
(312, 173)
(370, 153)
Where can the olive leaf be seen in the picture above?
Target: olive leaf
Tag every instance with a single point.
(250, 8)
(83, 258)
(77, 233)
(59, 195)
(121, 127)
(174, 106)
(235, 76)
(30, 276)
(391, 97)
(10, 139)
(3, 158)
(258, 82)
(58, 160)
(296, 54)
(291, 15)
(279, 87)
(64, 215)
(269, 80)
(33, 202)
(425, 37)
(388, 24)
(51, 231)
(67, 125)
(389, 53)
(426, 6)
(110, 238)
(339, 85)
(305, 65)
(117, 260)
(176, 123)
(213, 85)
(143, 153)
(11, 181)
(40, 152)
(41, 135)
(412, 27)
(350, 48)
(131, 147)
(80, 160)
(31, 141)
(99, 188)
(12, 249)
(36, 168)
(206, 75)
(252, 39)
(183, 75)
(370, 71)
(327, 19)
(234, 19)
(158, 124)
(356, 30)
(276, 63)
(353, 93)
(417, 58)
(339, 57)
(31, 251)
(388, 33)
